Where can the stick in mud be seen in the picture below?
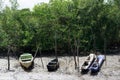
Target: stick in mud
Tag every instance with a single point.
(8, 56)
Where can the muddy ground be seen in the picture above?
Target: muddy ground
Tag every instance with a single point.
(109, 71)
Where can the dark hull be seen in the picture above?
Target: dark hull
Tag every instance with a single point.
(52, 68)
(53, 65)
(84, 71)
(29, 68)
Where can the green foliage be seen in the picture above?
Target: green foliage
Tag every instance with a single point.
(86, 21)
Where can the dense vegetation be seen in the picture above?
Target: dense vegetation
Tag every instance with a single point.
(71, 25)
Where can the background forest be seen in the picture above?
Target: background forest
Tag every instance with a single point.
(68, 26)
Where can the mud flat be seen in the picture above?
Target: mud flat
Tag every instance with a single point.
(109, 71)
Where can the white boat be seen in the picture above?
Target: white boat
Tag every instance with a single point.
(26, 60)
(88, 62)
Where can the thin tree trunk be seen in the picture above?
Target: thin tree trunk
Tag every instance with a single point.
(41, 59)
(56, 45)
(8, 56)
(35, 53)
(94, 42)
(74, 55)
(105, 51)
(69, 43)
(78, 54)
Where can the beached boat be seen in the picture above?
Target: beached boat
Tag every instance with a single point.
(26, 60)
(53, 65)
(87, 63)
(95, 67)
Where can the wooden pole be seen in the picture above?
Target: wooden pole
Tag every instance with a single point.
(78, 54)
(41, 59)
(8, 57)
(74, 54)
(105, 51)
(35, 53)
(56, 45)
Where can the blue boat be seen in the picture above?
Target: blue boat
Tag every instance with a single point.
(95, 67)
